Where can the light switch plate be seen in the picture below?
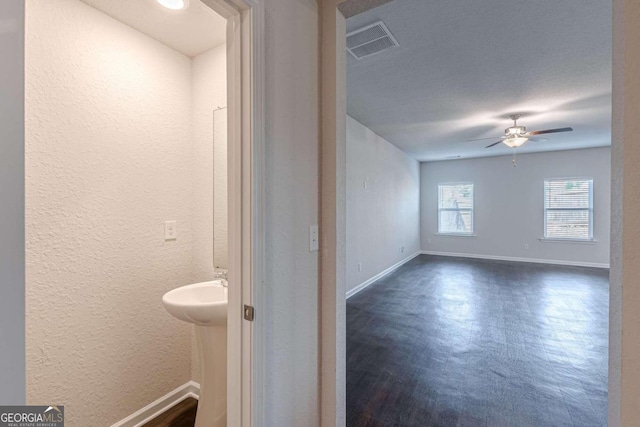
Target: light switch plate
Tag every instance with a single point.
(314, 243)
(170, 231)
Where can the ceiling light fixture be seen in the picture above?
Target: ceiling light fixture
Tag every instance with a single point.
(514, 136)
(515, 141)
(174, 4)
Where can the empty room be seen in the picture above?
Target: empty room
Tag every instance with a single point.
(478, 179)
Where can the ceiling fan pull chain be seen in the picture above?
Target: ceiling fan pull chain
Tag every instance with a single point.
(514, 161)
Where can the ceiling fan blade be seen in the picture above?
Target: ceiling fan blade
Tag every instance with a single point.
(482, 139)
(537, 139)
(495, 143)
(542, 132)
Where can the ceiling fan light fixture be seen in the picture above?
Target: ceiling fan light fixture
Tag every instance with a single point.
(514, 136)
(514, 142)
(174, 4)
(515, 130)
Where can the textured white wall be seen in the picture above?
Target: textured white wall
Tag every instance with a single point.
(109, 158)
(209, 91)
(384, 217)
(509, 204)
(291, 190)
(12, 364)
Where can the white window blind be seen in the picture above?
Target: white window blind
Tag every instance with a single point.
(568, 209)
(455, 208)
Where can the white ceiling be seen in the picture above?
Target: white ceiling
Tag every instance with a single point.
(463, 66)
(191, 31)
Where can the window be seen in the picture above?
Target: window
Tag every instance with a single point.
(455, 208)
(568, 209)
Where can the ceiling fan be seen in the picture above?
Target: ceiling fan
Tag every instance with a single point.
(515, 135)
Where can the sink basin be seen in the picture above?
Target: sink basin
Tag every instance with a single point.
(204, 304)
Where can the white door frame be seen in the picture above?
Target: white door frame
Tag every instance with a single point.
(245, 106)
(333, 216)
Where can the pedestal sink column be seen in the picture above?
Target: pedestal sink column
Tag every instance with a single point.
(212, 349)
(205, 306)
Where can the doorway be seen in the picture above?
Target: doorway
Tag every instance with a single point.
(117, 168)
(337, 70)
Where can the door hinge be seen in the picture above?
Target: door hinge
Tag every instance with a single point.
(249, 313)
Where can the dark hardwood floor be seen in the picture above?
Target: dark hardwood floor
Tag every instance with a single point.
(181, 415)
(463, 342)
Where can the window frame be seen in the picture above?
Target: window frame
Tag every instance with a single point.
(472, 209)
(589, 209)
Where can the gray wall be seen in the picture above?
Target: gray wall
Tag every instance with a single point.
(12, 360)
(291, 185)
(384, 217)
(509, 205)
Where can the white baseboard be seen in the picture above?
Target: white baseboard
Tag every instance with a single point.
(517, 259)
(153, 409)
(395, 266)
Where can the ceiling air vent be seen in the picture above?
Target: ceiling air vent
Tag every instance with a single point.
(370, 40)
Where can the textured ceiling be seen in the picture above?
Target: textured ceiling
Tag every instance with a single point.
(354, 7)
(191, 31)
(463, 66)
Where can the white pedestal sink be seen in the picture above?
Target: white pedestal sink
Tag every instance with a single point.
(205, 305)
